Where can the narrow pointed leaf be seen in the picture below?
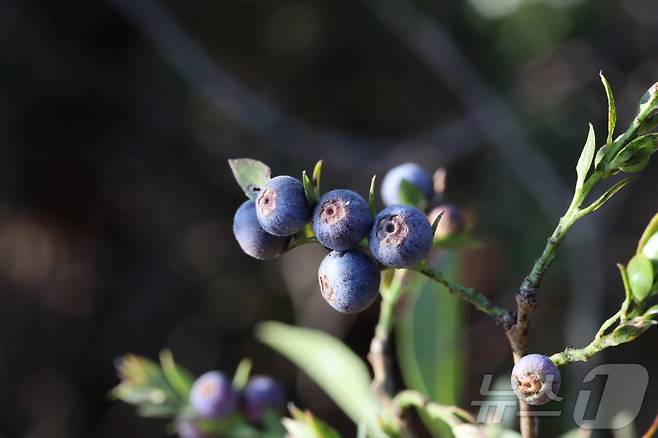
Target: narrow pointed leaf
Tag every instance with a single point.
(309, 190)
(649, 231)
(435, 224)
(606, 196)
(586, 157)
(250, 175)
(241, 375)
(179, 378)
(371, 196)
(600, 155)
(612, 111)
(636, 153)
(317, 173)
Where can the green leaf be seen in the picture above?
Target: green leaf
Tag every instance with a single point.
(371, 196)
(435, 224)
(586, 157)
(640, 277)
(331, 364)
(600, 155)
(612, 111)
(649, 231)
(144, 384)
(241, 376)
(429, 330)
(306, 425)
(250, 175)
(180, 379)
(317, 173)
(410, 195)
(636, 154)
(650, 249)
(311, 195)
(606, 196)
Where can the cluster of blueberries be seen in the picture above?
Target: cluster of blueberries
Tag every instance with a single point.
(213, 397)
(399, 236)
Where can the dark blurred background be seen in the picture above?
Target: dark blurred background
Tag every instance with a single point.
(116, 202)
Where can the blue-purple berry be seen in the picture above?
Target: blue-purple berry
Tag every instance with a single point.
(412, 173)
(252, 238)
(341, 219)
(535, 379)
(212, 396)
(281, 206)
(188, 428)
(262, 394)
(401, 236)
(349, 281)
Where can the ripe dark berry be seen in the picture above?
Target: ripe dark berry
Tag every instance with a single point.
(341, 219)
(349, 281)
(212, 396)
(401, 236)
(252, 238)
(452, 222)
(412, 173)
(535, 379)
(261, 394)
(281, 206)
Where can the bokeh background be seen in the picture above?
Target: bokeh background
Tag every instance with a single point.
(116, 202)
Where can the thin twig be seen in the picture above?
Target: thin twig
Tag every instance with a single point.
(378, 356)
(481, 302)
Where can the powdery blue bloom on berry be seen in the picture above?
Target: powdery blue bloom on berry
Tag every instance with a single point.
(281, 206)
(261, 394)
(252, 238)
(187, 428)
(401, 236)
(341, 219)
(349, 281)
(412, 173)
(212, 396)
(535, 379)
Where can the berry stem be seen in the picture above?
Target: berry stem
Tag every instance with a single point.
(481, 302)
(378, 356)
(626, 331)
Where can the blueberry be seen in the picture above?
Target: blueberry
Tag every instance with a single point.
(281, 206)
(212, 396)
(535, 379)
(187, 428)
(349, 281)
(261, 394)
(401, 236)
(452, 222)
(412, 173)
(252, 238)
(341, 219)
